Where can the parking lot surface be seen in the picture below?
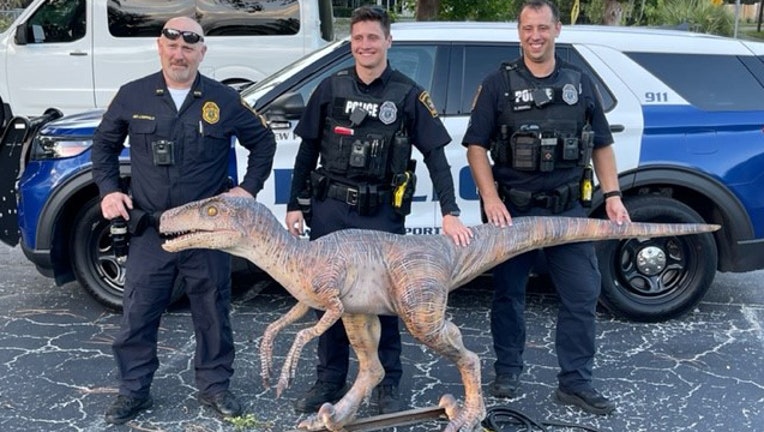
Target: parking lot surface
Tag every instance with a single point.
(703, 372)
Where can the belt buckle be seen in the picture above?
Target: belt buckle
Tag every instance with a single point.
(351, 196)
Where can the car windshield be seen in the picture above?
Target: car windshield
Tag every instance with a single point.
(254, 92)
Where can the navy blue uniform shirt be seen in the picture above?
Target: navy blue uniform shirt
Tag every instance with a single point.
(201, 133)
(425, 130)
(491, 102)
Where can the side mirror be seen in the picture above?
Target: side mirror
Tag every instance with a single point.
(21, 34)
(285, 107)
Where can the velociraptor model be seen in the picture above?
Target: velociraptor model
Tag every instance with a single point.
(358, 274)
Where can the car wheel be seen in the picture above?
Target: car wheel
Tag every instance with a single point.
(94, 262)
(656, 279)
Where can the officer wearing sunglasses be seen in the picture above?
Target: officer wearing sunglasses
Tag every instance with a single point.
(180, 124)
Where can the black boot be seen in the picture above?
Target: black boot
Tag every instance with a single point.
(126, 408)
(320, 393)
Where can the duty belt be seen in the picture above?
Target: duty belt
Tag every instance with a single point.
(558, 200)
(343, 193)
(351, 194)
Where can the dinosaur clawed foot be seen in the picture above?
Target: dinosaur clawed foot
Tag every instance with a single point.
(324, 419)
(282, 385)
(466, 419)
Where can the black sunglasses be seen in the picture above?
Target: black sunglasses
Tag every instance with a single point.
(188, 36)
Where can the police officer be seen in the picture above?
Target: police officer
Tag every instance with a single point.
(362, 122)
(540, 117)
(180, 125)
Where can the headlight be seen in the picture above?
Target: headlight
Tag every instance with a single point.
(58, 147)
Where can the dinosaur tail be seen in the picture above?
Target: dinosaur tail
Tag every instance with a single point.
(496, 245)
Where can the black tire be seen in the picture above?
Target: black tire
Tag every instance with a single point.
(93, 260)
(657, 279)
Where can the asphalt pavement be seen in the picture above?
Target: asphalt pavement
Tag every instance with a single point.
(703, 372)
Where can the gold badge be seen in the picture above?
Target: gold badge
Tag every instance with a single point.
(211, 112)
(424, 97)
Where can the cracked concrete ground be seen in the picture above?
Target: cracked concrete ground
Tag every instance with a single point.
(703, 372)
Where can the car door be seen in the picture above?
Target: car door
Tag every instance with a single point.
(53, 68)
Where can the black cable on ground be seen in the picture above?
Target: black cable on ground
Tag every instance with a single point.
(497, 417)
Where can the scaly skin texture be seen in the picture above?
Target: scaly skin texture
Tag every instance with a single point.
(355, 275)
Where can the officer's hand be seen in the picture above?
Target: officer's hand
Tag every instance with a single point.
(496, 212)
(453, 227)
(115, 205)
(295, 222)
(616, 211)
(240, 192)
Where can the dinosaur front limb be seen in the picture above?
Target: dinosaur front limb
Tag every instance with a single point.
(266, 344)
(334, 310)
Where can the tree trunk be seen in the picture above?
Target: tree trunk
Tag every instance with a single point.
(761, 12)
(427, 10)
(613, 13)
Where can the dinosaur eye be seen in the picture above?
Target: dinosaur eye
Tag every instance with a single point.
(212, 211)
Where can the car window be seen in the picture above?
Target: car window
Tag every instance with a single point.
(57, 21)
(710, 82)
(573, 57)
(142, 18)
(480, 60)
(415, 61)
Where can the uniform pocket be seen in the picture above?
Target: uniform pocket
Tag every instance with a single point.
(141, 133)
(215, 141)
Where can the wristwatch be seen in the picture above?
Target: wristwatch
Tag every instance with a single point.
(611, 194)
(454, 213)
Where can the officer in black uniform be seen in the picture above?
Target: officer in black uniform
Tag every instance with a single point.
(363, 122)
(542, 121)
(180, 126)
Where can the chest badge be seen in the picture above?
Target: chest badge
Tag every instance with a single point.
(569, 94)
(211, 112)
(388, 112)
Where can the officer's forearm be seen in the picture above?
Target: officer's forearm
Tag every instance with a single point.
(477, 157)
(603, 159)
(442, 182)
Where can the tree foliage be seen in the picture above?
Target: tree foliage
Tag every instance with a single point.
(706, 16)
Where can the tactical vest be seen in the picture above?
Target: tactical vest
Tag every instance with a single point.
(359, 141)
(542, 128)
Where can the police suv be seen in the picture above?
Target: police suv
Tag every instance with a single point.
(686, 111)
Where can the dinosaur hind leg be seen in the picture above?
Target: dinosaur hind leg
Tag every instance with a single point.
(447, 341)
(363, 333)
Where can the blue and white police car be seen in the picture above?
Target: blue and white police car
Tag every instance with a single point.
(686, 110)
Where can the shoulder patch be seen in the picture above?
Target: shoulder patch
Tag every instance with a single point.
(424, 97)
(254, 111)
(474, 99)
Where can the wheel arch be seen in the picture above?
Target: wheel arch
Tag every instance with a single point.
(59, 213)
(701, 192)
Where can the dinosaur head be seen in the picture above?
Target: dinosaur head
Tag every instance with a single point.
(214, 223)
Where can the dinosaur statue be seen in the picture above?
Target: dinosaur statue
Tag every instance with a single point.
(355, 275)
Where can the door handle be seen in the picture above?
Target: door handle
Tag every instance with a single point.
(617, 128)
(78, 53)
(280, 124)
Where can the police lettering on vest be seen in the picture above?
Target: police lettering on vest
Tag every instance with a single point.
(358, 143)
(542, 128)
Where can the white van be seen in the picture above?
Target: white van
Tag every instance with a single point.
(74, 54)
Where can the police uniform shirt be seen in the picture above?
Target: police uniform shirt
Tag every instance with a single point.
(200, 131)
(491, 101)
(426, 131)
